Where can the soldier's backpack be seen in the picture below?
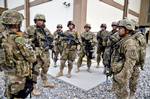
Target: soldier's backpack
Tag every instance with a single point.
(140, 38)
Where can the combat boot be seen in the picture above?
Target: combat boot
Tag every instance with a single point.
(78, 70)
(55, 65)
(104, 71)
(108, 71)
(47, 84)
(69, 73)
(97, 66)
(59, 74)
(123, 97)
(132, 96)
(36, 91)
(89, 70)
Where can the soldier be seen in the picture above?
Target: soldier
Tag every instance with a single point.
(125, 61)
(136, 25)
(101, 35)
(70, 41)
(18, 58)
(88, 41)
(1, 26)
(114, 27)
(57, 43)
(41, 40)
(112, 39)
(1, 49)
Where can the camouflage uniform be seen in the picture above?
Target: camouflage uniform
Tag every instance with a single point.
(112, 39)
(69, 50)
(101, 39)
(37, 36)
(125, 65)
(114, 27)
(18, 58)
(1, 26)
(57, 45)
(89, 36)
(1, 49)
(41, 53)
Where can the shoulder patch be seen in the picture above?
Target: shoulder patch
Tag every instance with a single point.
(20, 40)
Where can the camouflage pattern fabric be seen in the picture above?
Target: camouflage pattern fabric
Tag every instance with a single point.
(37, 39)
(125, 68)
(92, 38)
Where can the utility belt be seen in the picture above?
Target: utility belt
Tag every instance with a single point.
(58, 43)
(70, 46)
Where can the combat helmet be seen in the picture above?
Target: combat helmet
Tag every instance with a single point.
(87, 26)
(39, 17)
(11, 17)
(127, 24)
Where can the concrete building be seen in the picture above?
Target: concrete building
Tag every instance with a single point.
(83, 85)
(81, 12)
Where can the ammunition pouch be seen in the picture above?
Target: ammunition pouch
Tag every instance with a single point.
(117, 66)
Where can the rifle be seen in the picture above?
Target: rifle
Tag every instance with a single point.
(60, 33)
(111, 48)
(69, 38)
(54, 56)
(26, 91)
(48, 40)
(35, 41)
(88, 48)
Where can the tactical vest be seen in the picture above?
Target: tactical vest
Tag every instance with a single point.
(119, 59)
(70, 40)
(57, 38)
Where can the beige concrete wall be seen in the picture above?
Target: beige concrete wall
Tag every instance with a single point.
(79, 14)
(144, 12)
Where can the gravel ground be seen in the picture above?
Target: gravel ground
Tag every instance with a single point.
(65, 90)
